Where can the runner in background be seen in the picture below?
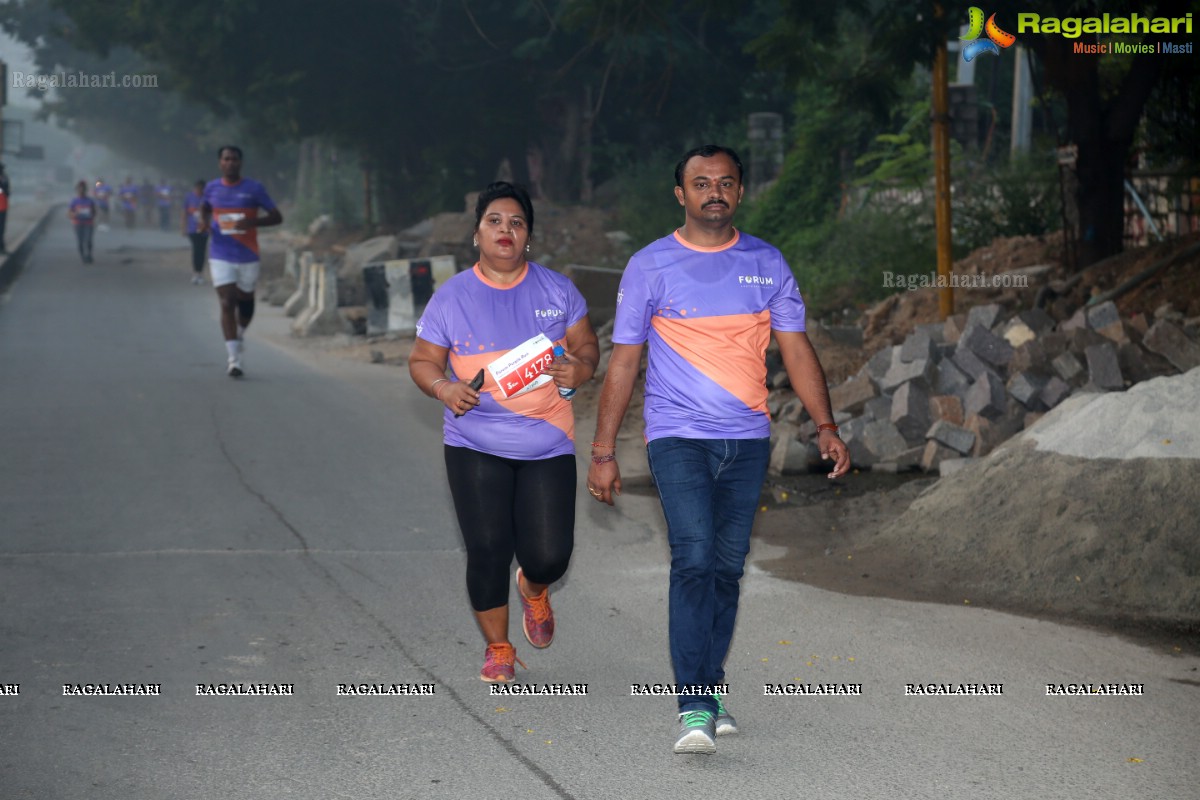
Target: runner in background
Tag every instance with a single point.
(127, 195)
(165, 199)
(103, 194)
(230, 213)
(82, 213)
(146, 201)
(194, 229)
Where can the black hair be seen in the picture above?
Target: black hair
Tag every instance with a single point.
(498, 191)
(221, 150)
(706, 151)
(200, 182)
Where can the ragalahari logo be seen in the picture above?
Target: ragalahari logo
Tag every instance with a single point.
(996, 38)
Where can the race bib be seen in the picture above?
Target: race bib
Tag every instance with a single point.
(228, 223)
(522, 368)
(83, 212)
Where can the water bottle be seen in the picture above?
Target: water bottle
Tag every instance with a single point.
(563, 391)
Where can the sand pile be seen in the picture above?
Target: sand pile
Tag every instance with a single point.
(1094, 512)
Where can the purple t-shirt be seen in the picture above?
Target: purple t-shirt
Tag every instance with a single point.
(707, 313)
(480, 321)
(191, 206)
(231, 203)
(83, 211)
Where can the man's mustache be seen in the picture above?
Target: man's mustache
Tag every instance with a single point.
(716, 203)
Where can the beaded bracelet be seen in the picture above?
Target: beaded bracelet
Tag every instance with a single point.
(604, 459)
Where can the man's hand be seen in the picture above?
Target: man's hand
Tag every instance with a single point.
(604, 481)
(833, 447)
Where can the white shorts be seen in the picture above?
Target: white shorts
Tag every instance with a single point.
(227, 272)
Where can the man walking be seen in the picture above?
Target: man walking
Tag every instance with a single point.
(707, 299)
(230, 212)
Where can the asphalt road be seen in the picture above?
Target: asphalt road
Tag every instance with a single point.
(162, 524)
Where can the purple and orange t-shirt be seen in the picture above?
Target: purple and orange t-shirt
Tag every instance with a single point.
(232, 203)
(707, 314)
(480, 321)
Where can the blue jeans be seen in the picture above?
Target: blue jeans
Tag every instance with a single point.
(709, 490)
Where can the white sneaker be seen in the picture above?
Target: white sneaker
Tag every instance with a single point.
(235, 368)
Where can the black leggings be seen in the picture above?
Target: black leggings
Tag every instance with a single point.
(507, 507)
(199, 245)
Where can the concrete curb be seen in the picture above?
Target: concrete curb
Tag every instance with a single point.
(13, 263)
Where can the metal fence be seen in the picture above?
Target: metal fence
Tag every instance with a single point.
(1161, 205)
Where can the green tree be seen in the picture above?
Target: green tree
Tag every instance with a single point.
(1103, 104)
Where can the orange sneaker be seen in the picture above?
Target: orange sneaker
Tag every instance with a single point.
(498, 663)
(538, 617)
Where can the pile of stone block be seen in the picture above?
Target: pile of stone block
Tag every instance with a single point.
(957, 389)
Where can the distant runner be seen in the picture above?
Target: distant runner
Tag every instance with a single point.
(128, 196)
(103, 193)
(82, 212)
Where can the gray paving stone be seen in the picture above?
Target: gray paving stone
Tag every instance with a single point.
(987, 345)
(951, 380)
(917, 345)
(985, 316)
(1068, 367)
(879, 364)
(1055, 391)
(971, 364)
(936, 331)
(877, 408)
(883, 440)
(1104, 370)
(910, 412)
(1038, 320)
(1168, 340)
(1102, 315)
(850, 395)
(921, 371)
(986, 397)
(1027, 387)
(955, 437)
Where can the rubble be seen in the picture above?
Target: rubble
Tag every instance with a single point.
(954, 391)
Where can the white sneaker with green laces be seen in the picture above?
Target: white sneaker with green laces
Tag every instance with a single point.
(697, 732)
(726, 724)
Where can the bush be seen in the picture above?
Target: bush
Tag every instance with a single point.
(842, 263)
(1020, 199)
